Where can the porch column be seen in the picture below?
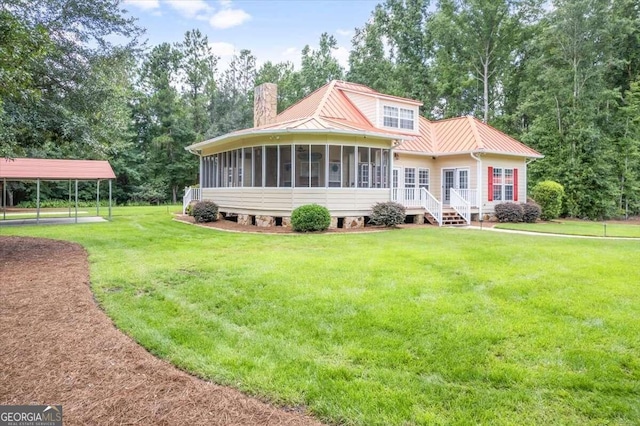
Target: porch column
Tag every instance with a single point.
(391, 188)
(38, 201)
(98, 197)
(4, 199)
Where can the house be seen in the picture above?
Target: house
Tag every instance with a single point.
(347, 147)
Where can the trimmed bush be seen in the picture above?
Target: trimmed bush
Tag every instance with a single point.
(310, 218)
(509, 212)
(548, 194)
(389, 214)
(530, 212)
(205, 211)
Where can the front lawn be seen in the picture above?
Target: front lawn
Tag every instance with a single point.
(419, 326)
(578, 227)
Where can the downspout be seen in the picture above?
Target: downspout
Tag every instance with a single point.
(479, 198)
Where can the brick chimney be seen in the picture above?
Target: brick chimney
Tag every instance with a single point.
(265, 104)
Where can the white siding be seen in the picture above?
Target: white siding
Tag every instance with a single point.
(281, 201)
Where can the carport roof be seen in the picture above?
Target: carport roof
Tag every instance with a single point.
(46, 169)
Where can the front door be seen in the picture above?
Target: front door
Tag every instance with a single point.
(448, 182)
(456, 179)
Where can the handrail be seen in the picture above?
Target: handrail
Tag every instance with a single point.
(190, 194)
(469, 195)
(408, 197)
(460, 205)
(431, 205)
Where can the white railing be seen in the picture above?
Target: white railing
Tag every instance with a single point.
(469, 195)
(190, 194)
(408, 197)
(431, 205)
(459, 204)
(418, 197)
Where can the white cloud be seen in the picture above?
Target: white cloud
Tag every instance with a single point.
(145, 5)
(225, 3)
(223, 49)
(345, 33)
(342, 55)
(191, 8)
(227, 18)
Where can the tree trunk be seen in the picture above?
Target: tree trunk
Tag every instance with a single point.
(174, 194)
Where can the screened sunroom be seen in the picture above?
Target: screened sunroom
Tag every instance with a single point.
(297, 166)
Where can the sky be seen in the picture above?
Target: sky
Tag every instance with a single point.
(274, 30)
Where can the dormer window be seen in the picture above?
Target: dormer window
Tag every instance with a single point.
(401, 118)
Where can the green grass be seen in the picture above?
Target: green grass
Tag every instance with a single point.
(577, 227)
(419, 326)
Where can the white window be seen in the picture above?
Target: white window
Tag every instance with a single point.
(390, 116)
(423, 178)
(406, 119)
(409, 177)
(503, 184)
(400, 118)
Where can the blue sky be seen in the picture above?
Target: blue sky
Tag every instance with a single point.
(273, 30)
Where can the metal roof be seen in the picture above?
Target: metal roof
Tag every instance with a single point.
(46, 169)
(328, 109)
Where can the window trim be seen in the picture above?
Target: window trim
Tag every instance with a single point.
(397, 117)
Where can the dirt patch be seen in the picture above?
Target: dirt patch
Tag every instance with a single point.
(229, 225)
(58, 347)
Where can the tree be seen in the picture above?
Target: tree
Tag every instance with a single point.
(199, 67)
(285, 77)
(369, 63)
(233, 102)
(318, 67)
(64, 72)
(170, 128)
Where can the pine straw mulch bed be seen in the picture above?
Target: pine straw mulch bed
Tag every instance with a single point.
(58, 347)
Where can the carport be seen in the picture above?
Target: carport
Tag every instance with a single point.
(37, 170)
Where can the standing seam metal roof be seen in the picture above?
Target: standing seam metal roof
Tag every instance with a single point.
(46, 169)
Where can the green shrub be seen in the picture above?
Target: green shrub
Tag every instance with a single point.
(205, 211)
(548, 194)
(509, 212)
(530, 212)
(388, 214)
(309, 218)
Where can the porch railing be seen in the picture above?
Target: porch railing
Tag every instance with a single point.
(459, 204)
(408, 197)
(190, 194)
(469, 195)
(431, 205)
(418, 197)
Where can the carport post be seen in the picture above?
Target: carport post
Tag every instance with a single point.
(4, 199)
(69, 197)
(38, 201)
(98, 198)
(109, 199)
(76, 200)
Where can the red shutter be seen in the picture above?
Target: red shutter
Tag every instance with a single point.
(515, 184)
(490, 180)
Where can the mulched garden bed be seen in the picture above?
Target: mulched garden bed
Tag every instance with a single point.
(58, 347)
